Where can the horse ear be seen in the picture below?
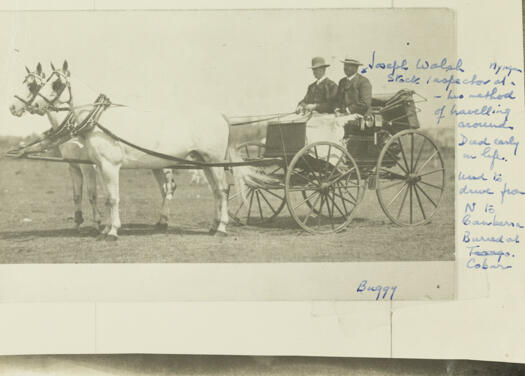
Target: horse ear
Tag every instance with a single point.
(27, 69)
(52, 66)
(65, 66)
(39, 69)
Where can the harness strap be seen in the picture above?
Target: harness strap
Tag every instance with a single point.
(187, 162)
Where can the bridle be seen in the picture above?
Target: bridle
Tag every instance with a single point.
(34, 88)
(59, 90)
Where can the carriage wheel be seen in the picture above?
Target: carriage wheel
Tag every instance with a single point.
(410, 178)
(259, 205)
(322, 187)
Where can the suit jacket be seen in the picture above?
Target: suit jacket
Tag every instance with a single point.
(354, 94)
(322, 94)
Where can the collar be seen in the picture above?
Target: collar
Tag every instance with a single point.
(351, 77)
(320, 80)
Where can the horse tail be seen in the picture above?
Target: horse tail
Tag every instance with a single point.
(245, 176)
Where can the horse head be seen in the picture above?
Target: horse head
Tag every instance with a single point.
(31, 85)
(55, 92)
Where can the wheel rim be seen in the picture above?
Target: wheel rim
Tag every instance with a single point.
(322, 187)
(253, 205)
(410, 178)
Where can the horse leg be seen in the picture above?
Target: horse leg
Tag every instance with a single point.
(77, 179)
(90, 175)
(110, 175)
(167, 187)
(223, 189)
(107, 217)
(219, 226)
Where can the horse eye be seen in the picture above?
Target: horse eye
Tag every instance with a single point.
(57, 85)
(33, 87)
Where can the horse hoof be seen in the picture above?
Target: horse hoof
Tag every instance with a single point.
(111, 238)
(212, 231)
(161, 226)
(101, 237)
(221, 234)
(79, 218)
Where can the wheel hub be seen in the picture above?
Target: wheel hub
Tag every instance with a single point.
(324, 187)
(413, 178)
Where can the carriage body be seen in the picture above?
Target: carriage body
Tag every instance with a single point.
(383, 151)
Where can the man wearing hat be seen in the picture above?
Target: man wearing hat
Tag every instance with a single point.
(321, 93)
(354, 93)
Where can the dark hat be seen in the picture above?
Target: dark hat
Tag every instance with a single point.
(347, 60)
(318, 62)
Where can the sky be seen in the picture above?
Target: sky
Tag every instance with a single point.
(233, 62)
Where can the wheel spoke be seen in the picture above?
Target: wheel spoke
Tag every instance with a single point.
(328, 157)
(425, 194)
(397, 195)
(392, 173)
(431, 172)
(347, 200)
(340, 177)
(316, 154)
(250, 207)
(243, 201)
(343, 201)
(419, 153)
(411, 207)
(320, 210)
(431, 185)
(393, 184)
(426, 162)
(238, 193)
(411, 151)
(268, 203)
(419, 202)
(402, 203)
(335, 167)
(259, 205)
(312, 171)
(273, 194)
(395, 160)
(304, 177)
(348, 191)
(336, 206)
(305, 200)
(311, 210)
(330, 212)
(403, 153)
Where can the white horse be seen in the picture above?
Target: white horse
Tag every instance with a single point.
(72, 149)
(75, 148)
(204, 140)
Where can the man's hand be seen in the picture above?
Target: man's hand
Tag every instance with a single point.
(310, 107)
(299, 109)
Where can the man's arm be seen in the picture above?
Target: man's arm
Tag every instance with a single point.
(302, 102)
(365, 98)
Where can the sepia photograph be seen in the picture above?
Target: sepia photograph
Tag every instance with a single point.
(229, 136)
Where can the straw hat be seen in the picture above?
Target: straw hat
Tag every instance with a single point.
(347, 60)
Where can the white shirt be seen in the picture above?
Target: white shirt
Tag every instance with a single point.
(320, 80)
(351, 77)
